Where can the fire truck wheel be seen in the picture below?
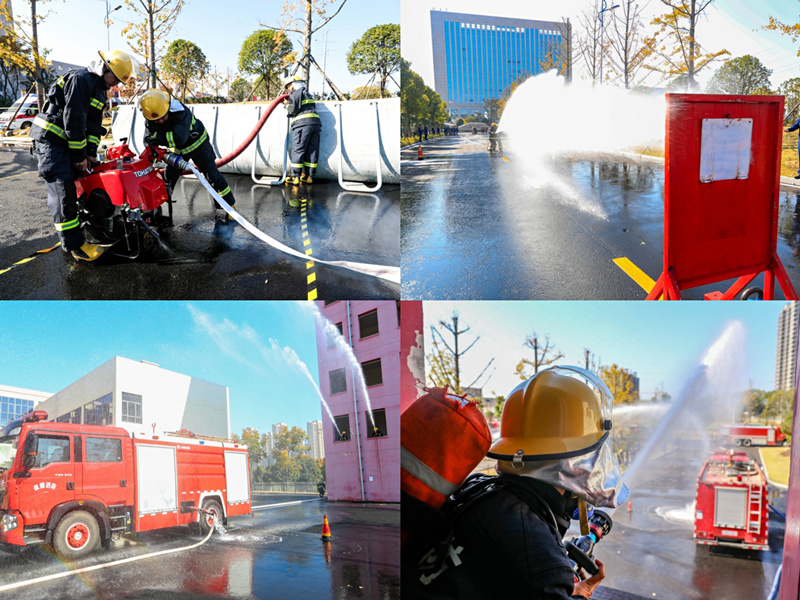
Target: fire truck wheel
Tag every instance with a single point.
(747, 442)
(205, 520)
(738, 442)
(76, 535)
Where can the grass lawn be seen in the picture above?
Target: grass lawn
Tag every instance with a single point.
(789, 154)
(777, 462)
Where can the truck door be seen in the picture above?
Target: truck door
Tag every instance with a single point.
(105, 475)
(53, 477)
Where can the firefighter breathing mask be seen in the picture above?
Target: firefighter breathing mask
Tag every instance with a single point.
(555, 429)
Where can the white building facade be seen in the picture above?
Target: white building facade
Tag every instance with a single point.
(315, 441)
(786, 346)
(15, 402)
(144, 399)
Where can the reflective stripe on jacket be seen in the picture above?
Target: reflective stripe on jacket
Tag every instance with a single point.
(72, 114)
(302, 108)
(181, 133)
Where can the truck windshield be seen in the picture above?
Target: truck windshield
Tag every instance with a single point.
(8, 449)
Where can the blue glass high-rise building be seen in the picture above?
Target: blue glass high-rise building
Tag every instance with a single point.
(476, 57)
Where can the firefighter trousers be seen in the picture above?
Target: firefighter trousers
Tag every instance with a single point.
(305, 149)
(56, 168)
(203, 158)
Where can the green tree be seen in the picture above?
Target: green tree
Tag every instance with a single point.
(145, 36)
(183, 63)
(620, 383)
(419, 104)
(265, 54)
(240, 90)
(544, 354)
(292, 441)
(309, 470)
(369, 91)
(740, 75)
(675, 49)
(378, 51)
(791, 90)
(284, 469)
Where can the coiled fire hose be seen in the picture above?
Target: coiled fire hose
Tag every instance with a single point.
(19, 584)
(384, 272)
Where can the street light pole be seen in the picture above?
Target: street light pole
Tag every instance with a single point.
(108, 31)
(602, 31)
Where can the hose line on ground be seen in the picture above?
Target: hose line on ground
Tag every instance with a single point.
(19, 584)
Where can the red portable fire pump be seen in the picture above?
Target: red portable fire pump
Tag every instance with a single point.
(731, 503)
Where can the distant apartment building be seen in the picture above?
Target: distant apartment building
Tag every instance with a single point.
(143, 398)
(276, 429)
(315, 441)
(359, 375)
(15, 402)
(786, 346)
(476, 57)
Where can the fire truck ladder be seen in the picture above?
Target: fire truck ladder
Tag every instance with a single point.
(756, 499)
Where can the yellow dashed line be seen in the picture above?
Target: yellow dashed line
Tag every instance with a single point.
(14, 175)
(505, 159)
(631, 270)
(311, 277)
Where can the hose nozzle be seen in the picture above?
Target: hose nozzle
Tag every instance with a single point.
(175, 160)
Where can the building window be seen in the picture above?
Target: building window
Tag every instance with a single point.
(131, 408)
(377, 423)
(13, 408)
(329, 302)
(99, 412)
(330, 335)
(372, 372)
(341, 430)
(103, 449)
(397, 302)
(338, 381)
(71, 417)
(368, 323)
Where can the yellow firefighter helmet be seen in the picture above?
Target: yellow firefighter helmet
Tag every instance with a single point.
(119, 63)
(154, 104)
(554, 415)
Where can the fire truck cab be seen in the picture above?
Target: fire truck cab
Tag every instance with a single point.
(731, 503)
(75, 487)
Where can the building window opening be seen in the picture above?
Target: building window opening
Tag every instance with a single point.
(99, 412)
(338, 381)
(372, 372)
(330, 335)
(377, 424)
(341, 433)
(131, 408)
(71, 417)
(368, 323)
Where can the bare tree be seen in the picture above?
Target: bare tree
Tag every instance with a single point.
(675, 49)
(628, 46)
(544, 354)
(158, 19)
(445, 359)
(588, 41)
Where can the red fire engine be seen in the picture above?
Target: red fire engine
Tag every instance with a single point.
(752, 435)
(731, 503)
(75, 487)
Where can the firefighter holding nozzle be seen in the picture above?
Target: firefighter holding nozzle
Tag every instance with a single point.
(306, 125)
(553, 454)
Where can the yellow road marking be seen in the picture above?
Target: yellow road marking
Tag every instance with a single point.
(312, 295)
(505, 159)
(631, 270)
(308, 252)
(14, 175)
(310, 264)
(306, 242)
(312, 278)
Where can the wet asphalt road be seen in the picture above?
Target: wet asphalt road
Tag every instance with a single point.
(274, 553)
(477, 226)
(650, 552)
(208, 259)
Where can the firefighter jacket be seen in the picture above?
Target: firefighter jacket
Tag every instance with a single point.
(503, 546)
(302, 108)
(181, 132)
(72, 115)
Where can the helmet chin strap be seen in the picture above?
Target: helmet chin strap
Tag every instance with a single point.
(584, 516)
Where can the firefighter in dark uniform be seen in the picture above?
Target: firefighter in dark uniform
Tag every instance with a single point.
(171, 124)
(507, 542)
(495, 143)
(305, 132)
(67, 132)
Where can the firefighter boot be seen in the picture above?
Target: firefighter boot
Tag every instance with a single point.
(292, 181)
(88, 252)
(306, 179)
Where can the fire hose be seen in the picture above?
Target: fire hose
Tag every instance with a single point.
(19, 584)
(384, 272)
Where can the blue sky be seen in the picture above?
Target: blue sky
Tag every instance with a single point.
(254, 348)
(734, 25)
(661, 341)
(75, 30)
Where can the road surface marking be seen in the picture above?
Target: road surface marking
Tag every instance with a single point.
(311, 276)
(14, 175)
(635, 273)
(29, 259)
(505, 159)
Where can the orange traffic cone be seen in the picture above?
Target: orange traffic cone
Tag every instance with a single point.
(326, 529)
(419, 153)
(327, 548)
(630, 505)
